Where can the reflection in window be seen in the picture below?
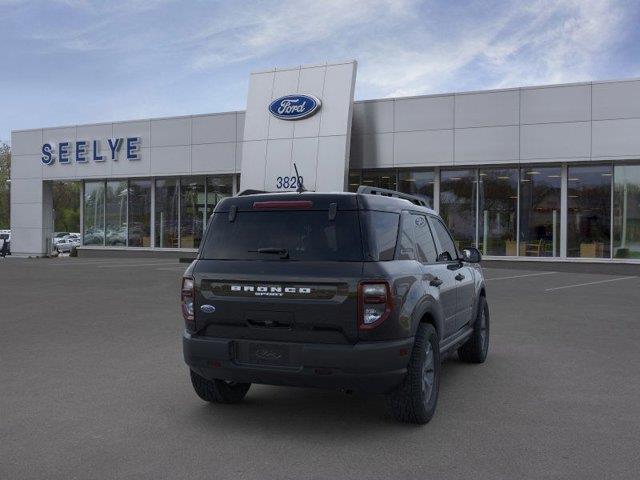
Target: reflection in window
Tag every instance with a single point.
(192, 208)
(626, 208)
(93, 213)
(417, 182)
(498, 211)
(447, 248)
(354, 180)
(379, 178)
(540, 189)
(116, 213)
(425, 246)
(166, 214)
(589, 211)
(140, 213)
(458, 204)
(218, 188)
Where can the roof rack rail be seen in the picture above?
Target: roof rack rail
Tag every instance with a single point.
(365, 189)
(251, 192)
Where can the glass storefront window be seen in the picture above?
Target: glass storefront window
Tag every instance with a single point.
(192, 208)
(379, 178)
(589, 211)
(458, 204)
(417, 182)
(626, 208)
(354, 180)
(93, 213)
(116, 213)
(218, 188)
(166, 212)
(139, 230)
(498, 211)
(540, 194)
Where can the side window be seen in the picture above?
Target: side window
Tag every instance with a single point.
(447, 250)
(383, 232)
(406, 242)
(425, 246)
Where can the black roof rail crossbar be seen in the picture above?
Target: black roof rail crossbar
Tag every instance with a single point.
(366, 189)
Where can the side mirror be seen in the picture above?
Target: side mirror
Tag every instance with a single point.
(471, 255)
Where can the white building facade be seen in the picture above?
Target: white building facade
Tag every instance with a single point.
(539, 173)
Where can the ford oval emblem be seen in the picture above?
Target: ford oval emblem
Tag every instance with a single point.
(294, 107)
(207, 308)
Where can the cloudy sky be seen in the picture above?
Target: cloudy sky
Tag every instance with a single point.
(80, 61)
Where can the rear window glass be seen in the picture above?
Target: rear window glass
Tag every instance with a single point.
(304, 235)
(382, 228)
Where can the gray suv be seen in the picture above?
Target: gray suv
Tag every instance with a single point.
(361, 291)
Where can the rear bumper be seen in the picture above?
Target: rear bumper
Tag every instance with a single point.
(374, 367)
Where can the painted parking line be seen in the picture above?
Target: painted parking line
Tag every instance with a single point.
(68, 263)
(125, 265)
(589, 283)
(520, 276)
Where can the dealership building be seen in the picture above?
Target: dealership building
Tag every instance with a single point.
(535, 173)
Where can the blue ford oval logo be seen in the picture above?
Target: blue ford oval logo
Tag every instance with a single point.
(294, 107)
(207, 308)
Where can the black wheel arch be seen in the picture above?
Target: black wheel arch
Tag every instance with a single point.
(429, 313)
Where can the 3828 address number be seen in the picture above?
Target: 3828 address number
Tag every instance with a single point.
(288, 182)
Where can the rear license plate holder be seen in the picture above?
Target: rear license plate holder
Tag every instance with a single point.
(271, 354)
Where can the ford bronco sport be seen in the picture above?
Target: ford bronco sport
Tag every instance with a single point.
(358, 291)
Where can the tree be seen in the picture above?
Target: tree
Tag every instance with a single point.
(66, 203)
(5, 195)
(66, 197)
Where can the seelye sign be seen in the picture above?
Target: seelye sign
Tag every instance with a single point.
(294, 107)
(82, 151)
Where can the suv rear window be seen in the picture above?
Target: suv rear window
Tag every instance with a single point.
(382, 228)
(306, 235)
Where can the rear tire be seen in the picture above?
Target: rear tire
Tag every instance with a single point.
(476, 348)
(218, 391)
(414, 401)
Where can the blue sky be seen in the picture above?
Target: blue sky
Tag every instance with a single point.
(76, 61)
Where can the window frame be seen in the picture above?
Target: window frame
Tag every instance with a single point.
(433, 218)
(433, 238)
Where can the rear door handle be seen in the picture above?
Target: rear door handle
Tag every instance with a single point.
(459, 277)
(435, 282)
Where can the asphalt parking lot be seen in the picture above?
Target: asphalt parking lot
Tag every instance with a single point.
(93, 386)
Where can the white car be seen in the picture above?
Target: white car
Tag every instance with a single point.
(66, 244)
(57, 236)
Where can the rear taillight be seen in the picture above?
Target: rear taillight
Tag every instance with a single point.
(374, 304)
(187, 295)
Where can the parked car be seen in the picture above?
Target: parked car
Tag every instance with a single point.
(5, 242)
(66, 244)
(57, 236)
(362, 291)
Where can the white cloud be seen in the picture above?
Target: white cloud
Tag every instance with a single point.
(409, 48)
(404, 47)
(260, 30)
(547, 42)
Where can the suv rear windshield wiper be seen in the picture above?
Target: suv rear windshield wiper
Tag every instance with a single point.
(283, 252)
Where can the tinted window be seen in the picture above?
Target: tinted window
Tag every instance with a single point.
(305, 235)
(406, 241)
(447, 248)
(382, 233)
(426, 248)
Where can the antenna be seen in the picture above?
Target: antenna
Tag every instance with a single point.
(299, 179)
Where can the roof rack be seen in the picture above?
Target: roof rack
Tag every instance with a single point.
(392, 193)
